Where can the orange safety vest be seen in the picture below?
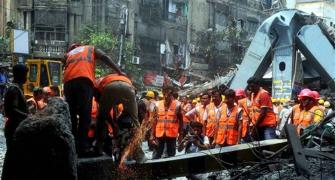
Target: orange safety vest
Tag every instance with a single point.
(80, 62)
(297, 112)
(247, 113)
(152, 103)
(185, 120)
(306, 118)
(110, 78)
(228, 127)
(270, 117)
(201, 114)
(211, 120)
(167, 123)
(94, 112)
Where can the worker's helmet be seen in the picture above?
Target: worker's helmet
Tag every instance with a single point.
(304, 92)
(150, 94)
(73, 46)
(321, 101)
(326, 104)
(316, 95)
(283, 100)
(240, 92)
(312, 95)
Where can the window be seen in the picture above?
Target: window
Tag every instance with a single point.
(175, 10)
(44, 81)
(33, 72)
(44, 32)
(54, 70)
(149, 45)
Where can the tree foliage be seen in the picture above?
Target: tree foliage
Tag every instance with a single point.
(109, 42)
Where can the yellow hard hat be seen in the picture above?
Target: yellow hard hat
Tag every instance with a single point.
(194, 101)
(321, 101)
(283, 100)
(150, 94)
(326, 104)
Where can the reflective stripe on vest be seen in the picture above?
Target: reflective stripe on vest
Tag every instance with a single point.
(110, 78)
(167, 124)
(80, 62)
(228, 127)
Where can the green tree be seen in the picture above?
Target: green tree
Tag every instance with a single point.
(109, 43)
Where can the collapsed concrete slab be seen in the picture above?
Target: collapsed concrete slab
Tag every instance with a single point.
(43, 146)
(103, 168)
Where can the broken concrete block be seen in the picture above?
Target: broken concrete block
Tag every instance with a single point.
(43, 146)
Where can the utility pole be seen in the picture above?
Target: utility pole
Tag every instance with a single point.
(124, 24)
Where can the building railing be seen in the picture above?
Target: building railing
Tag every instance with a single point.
(49, 47)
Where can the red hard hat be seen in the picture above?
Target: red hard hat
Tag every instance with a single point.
(315, 94)
(240, 92)
(304, 92)
(310, 94)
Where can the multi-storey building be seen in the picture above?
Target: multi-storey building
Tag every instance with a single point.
(164, 33)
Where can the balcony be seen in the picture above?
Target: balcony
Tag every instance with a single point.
(49, 49)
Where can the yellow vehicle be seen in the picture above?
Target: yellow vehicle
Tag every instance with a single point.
(42, 73)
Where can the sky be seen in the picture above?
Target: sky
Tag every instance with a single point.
(290, 3)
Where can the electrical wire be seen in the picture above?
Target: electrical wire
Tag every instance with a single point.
(220, 161)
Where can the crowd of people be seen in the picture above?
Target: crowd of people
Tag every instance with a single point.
(106, 123)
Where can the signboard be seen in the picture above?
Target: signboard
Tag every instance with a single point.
(152, 79)
(20, 41)
(159, 81)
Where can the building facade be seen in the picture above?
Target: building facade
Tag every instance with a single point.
(167, 35)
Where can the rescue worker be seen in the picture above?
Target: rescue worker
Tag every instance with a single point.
(15, 104)
(185, 107)
(230, 121)
(79, 80)
(168, 125)
(55, 91)
(211, 113)
(298, 108)
(264, 118)
(245, 103)
(328, 109)
(151, 114)
(197, 113)
(311, 113)
(36, 103)
(115, 89)
(46, 93)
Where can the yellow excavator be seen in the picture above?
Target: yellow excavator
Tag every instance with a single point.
(42, 73)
